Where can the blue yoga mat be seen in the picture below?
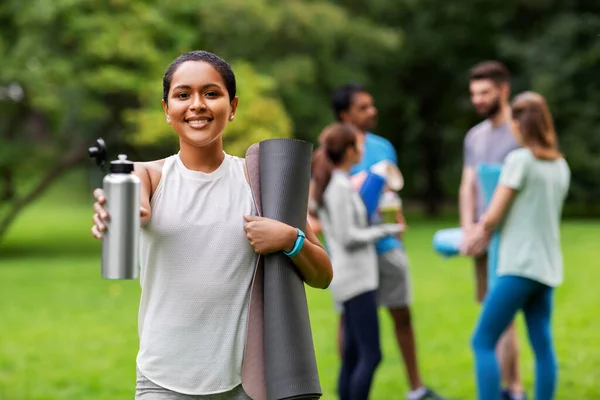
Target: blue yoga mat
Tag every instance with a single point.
(488, 176)
(446, 242)
(370, 192)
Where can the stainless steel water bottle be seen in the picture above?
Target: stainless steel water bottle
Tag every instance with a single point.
(120, 242)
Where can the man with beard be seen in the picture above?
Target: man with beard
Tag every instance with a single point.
(489, 142)
(352, 104)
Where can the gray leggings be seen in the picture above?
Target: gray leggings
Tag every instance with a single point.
(147, 390)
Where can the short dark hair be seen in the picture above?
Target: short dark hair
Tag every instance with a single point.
(493, 70)
(342, 98)
(222, 67)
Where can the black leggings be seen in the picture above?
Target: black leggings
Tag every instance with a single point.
(362, 352)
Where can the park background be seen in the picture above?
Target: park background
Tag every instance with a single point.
(72, 71)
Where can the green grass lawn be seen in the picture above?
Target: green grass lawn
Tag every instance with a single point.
(66, 334)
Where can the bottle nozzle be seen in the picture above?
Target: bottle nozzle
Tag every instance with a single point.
(98, 152)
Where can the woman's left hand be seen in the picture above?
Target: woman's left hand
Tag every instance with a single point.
(268, 235)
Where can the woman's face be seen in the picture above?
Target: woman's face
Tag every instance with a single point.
(358, 148)
(198, 104)
(353, 154)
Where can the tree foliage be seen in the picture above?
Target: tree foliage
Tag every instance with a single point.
(73, 70)
(550, 46)
(91, 68)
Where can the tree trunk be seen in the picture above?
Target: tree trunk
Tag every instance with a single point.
(74, 157)
(8, 184)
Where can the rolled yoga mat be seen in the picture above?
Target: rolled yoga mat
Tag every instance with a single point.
(290, 362)
(371, 191)
(253, 366)
(446, 242)
(488, 176)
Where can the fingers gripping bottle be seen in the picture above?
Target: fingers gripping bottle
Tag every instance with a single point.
(120, 241)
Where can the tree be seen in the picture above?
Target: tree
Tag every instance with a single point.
(549, 46)
(90, 69)
(559, 56)
(75, 81)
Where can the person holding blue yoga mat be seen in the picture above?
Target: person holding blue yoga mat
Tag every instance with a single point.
(488, 176)
(351, 245)
(527, 204)
(489, 142)
(353, 104)
(200, 242)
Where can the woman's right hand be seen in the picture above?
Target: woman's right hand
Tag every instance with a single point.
(101, 215)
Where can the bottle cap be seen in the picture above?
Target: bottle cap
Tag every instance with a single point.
(121, 166)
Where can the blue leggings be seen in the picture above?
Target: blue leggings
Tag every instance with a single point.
(362, 353)
(509, 295)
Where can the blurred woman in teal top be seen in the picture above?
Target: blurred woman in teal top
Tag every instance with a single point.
(528, 203)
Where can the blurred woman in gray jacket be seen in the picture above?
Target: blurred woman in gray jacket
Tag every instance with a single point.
(350, 243)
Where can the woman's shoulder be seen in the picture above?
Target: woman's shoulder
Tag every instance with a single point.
(564, 167)
(235, 159)
(525, 154)
(519, 157)
(154, 165)
(150, 172)
(151, 168)
(339, 185)
(341, 179)
(239, 164)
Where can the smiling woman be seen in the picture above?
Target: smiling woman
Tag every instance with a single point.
(200, 237)
(198, 99)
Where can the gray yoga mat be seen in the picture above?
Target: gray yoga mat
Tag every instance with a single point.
(290, 362)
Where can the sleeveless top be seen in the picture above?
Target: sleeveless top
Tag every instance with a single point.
(196, 272)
